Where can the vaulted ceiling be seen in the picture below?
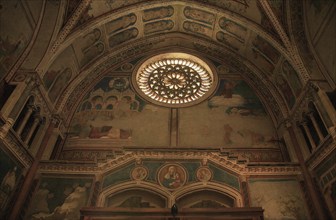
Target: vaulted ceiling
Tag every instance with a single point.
(261, 42)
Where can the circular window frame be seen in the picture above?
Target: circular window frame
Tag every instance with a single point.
(206, 65)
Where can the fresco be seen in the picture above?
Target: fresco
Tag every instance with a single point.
(233, 28)
(139, 173)
(10, 174)
(199, 15)
(59, 74)
(197, 28)
(158, 26)
(285, 89)
(203, 174)
(136, 198)
(89, 47)
(172, 176)
(59, 198)
(228, 40)
(120, 23)
(292, 77)
(60, 82)
(233, 118)
(157, 13)
(264, 55)
(266, 24)
(121, 175)
(280, 198)
(15, 34)
(123, 36)
(112, 111)
(266, 49)
(223, 176)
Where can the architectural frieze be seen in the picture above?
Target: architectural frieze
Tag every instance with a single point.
(321, 153)
(281, 31)
(299, 38)
(234, 165)
(18, 148)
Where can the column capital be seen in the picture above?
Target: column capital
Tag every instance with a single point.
(55, 119)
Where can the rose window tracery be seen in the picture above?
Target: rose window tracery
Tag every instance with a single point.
(174, 81)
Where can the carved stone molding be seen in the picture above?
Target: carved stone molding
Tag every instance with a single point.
(70, 24)
(281, 31)
(299, 38)
(132, 156)
(17, 147)
(321, 153)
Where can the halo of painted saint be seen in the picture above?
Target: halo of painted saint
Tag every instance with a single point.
(172, 176)
(139, 173)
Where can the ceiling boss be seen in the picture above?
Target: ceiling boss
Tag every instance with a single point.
(174, 80)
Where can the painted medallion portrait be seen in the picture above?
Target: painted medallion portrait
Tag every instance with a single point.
(172, 176)
(203, 174)
(139, 173)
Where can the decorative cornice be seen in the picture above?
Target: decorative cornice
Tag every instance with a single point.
(18, 148)
(233, 165)
(322, 152)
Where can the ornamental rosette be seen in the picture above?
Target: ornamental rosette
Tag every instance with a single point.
(174, 80)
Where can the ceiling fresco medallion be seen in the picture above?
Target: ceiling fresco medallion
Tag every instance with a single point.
(204, 174)
(139, 173)
(175, 80)
(172, 176)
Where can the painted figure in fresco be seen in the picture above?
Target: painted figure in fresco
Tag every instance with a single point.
(109, 132)
(199, 15)
(40, 200)
(75, 200)
(9, 180)
(139, 173)
(172, 178)
(157, 13)
(120, 23)
(203, 174)
(123, 36)
(91, 38)
(92, 52)
(227, 134)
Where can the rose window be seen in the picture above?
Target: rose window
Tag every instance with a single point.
(174, 79)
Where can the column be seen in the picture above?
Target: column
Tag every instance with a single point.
(312, 193)
(29, 178)
(316, 126)
(22, 99)
(310, 138)
(32, 129)
(24, 120)
(327, 105)
(244, 189)
(5, 128)
(12, 100)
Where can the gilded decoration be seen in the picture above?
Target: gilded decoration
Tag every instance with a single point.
(139, 173)
(172, 176)
(203, 174)
(174, 79)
